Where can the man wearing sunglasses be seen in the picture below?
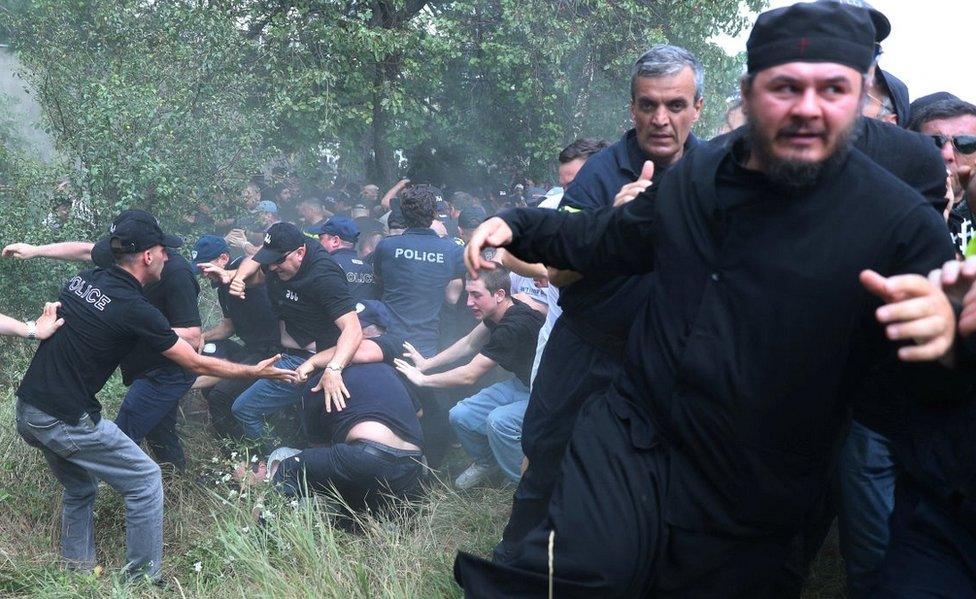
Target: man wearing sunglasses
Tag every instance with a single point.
(310, 296)
(951, 123)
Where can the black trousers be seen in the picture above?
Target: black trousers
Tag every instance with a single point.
(933, 547)
(609, 537)
(571, 371)
(364, 473)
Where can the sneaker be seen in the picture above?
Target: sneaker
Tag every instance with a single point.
(474, 475)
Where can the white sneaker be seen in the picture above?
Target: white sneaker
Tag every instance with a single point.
(474, 474)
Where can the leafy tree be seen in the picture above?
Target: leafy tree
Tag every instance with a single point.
(151, 99)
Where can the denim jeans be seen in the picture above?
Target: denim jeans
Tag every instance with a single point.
(867, 491)
(79, 456)
(489, 425)
(150, 409)
(266, 397)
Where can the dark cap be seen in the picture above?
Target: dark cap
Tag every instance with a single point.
(470, 218)
(134, 235)
(208, 248)
(342, 227)
(279, 239)
(102, 252)
(882, 26)
(812, 32)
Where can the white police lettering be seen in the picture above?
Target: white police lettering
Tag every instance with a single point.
(419, 255)
(267, 238)
(88, 292)
(291, 295)
(363, 278)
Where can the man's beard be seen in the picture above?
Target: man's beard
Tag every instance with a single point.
(796, 174)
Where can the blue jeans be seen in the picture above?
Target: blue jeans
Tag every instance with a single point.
(80, 455)
(267, 397)
(867, 498)
(489, 425)
(150, 409)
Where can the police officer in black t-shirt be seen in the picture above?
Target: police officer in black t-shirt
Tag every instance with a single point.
(250, 319)
(106, 316)
(310, 296)
(156, 384)
(338, 235)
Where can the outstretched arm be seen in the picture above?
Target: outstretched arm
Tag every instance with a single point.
(456, 377)
(76, 251)
(186, 356)
(605, 241)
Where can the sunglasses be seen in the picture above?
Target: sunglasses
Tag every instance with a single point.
(282, 259)
(965, 144)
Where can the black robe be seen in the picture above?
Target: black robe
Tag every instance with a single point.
(756, 327)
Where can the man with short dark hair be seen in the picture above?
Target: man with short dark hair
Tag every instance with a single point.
(418, 271)
(338, 236)
(951, 123)
(107, 315)
(489, 423)
(310, 296)
(694, 471)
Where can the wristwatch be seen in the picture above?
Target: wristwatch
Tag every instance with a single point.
(334, 367)
(31, 329)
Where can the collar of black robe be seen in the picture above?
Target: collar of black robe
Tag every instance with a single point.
(632, 163)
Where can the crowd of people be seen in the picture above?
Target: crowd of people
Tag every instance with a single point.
(689, 357)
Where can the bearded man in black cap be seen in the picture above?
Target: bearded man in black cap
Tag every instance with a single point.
(695, 469)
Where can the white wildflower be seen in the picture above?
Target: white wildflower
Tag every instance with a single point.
(198, 567)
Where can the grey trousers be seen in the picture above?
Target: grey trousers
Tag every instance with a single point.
(79, 456)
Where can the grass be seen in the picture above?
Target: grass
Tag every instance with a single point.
(214, 549)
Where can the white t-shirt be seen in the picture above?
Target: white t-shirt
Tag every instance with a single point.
(552, 297)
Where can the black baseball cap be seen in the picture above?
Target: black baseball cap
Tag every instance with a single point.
(207, 248)
(131, 231)
(342, 227)
(279, 240)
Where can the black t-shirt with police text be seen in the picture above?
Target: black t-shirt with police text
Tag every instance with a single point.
(106, 314)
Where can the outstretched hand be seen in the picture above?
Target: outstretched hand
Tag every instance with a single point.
(414, 354)
(21, 251)
(916, 310)
(410, 371)
(211, 269)
(493, 233)
(265, 369)
(630, 191)
(49, 322)
(956, 279)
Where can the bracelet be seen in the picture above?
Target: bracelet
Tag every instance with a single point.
(31, 329)
(334, 367)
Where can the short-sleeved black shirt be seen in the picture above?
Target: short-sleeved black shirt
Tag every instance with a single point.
(106, 314)
(254, 321)
(310, 302)
(175, 295)
(513, 340)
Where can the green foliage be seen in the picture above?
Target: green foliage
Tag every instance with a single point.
(149, 99)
